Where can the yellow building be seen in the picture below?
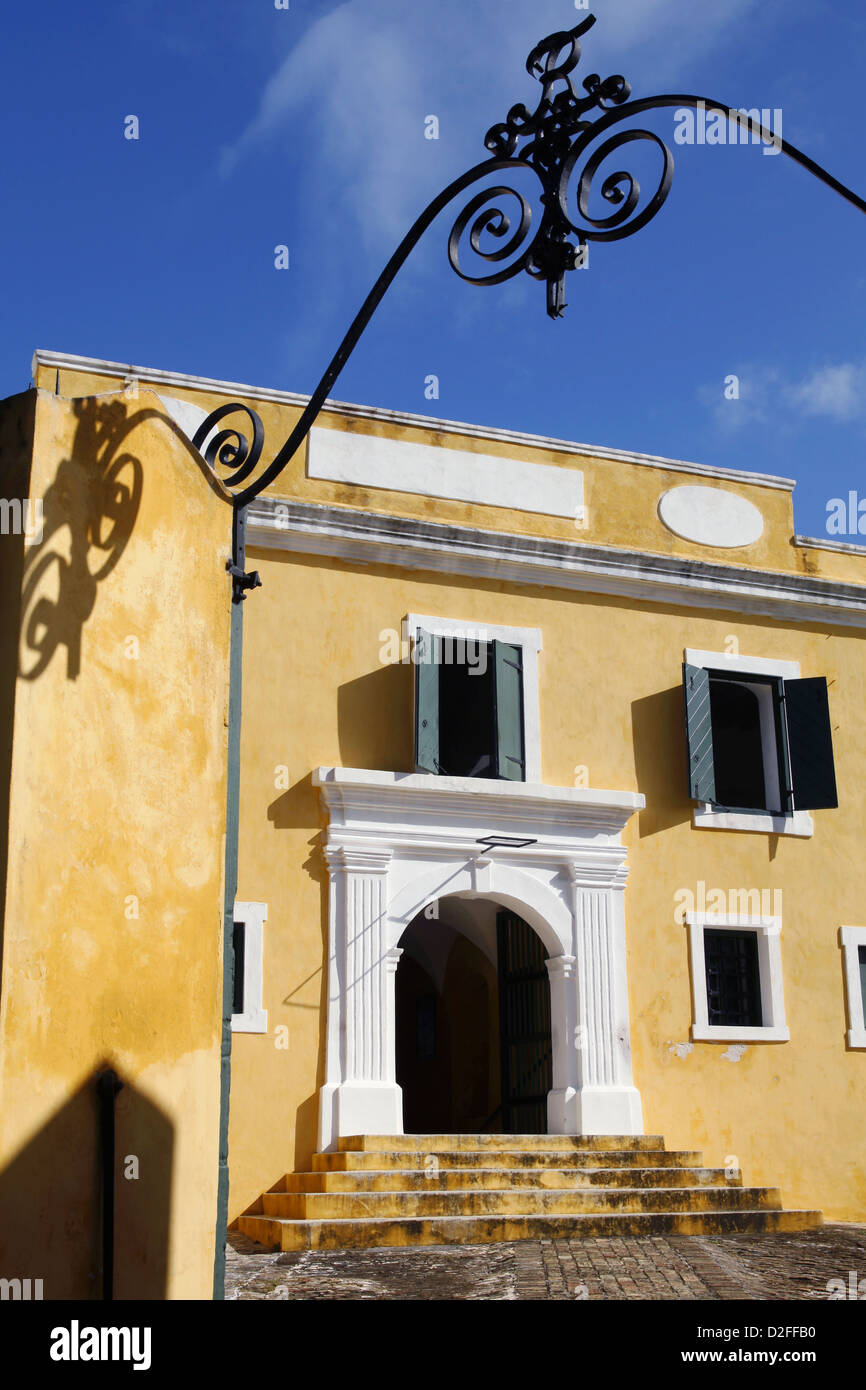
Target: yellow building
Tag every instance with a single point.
(551, 822)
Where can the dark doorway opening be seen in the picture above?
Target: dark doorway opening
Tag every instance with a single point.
(473, 1039)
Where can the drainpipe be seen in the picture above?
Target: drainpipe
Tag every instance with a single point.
(240, 582)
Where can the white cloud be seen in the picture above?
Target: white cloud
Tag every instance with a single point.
(361, 80)
(768, 395)
(838, 392)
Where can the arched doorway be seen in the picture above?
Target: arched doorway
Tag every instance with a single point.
(473, 1022)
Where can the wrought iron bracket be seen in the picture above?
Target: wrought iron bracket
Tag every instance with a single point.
(559, 144)
(242, 581)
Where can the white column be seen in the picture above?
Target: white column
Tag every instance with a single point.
(360, 1095)
(561, 1101)
(606, 1101)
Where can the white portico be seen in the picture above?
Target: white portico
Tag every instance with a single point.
(398, 842)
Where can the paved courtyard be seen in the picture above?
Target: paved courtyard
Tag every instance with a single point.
(798, 1266)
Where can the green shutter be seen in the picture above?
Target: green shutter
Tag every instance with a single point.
(508, 704)
(810, 744)
(699, 733)
(426, 659)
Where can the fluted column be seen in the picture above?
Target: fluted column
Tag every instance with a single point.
(606, 1101)
(565, 1038)
(360, 1095)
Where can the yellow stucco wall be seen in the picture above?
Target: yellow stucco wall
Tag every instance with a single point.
(112, 949)
(316, 692)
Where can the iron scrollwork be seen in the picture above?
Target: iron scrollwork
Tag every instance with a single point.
(563, 145)
(553, 141)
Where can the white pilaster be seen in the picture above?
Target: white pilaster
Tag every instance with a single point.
(360, 1095)
(607, 1101)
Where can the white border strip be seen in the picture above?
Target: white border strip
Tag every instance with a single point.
(128, 371)
(852, 939)
(769, 932)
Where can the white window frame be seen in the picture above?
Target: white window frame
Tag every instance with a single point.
(852, 939)
(527, 638)
(254, 1018)
(799, 823)
(769, 933)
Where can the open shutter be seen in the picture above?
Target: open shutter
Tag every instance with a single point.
(426, 661)
(810, 744)
(508, 704)
(699, 733)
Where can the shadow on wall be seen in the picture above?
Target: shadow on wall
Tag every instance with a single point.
(374, 718)
(658, 731)
(96, 496)
(51, 1199)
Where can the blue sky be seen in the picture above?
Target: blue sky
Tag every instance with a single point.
(305, 127)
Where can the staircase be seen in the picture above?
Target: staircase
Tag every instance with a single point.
(456, 1189)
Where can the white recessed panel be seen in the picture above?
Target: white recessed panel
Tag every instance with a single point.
(711, 516)
(432, 471)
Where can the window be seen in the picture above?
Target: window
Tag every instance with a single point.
(248, 1016)
(476, 700)
(854, 953)
(733, 978)
(759, 745)
(737, 991)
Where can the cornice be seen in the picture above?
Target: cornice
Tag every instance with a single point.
(445, 814)
(127, 371)
(367, 538)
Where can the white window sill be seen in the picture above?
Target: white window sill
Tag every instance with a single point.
(857, 1037)
(799, 824)
(250, 1023)
(717, 1033)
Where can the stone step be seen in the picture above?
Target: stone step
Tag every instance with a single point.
(523, 1143)
(283, 1234)
(390, 1158)
(448, 1179)
(356, 1206)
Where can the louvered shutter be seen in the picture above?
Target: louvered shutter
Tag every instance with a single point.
(508, 687)
(699, 733)
(426, 658)
(810, 744)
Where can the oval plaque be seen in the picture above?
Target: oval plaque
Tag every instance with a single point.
(709, 516)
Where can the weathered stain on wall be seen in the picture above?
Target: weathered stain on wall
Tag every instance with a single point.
(117, 622)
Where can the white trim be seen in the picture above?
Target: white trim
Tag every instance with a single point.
(799, 824)
(254, 1018)
(128, 371)
(769, 932)
(430, 470)
(397, 842)
(529, 639)
(816, 543)
(365, 538)
(852, 939)
(748, 665)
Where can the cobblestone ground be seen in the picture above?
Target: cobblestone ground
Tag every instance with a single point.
(764, 1267)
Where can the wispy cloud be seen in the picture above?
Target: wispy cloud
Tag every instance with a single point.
(837, 392)
(362, 79)
(769, 395)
